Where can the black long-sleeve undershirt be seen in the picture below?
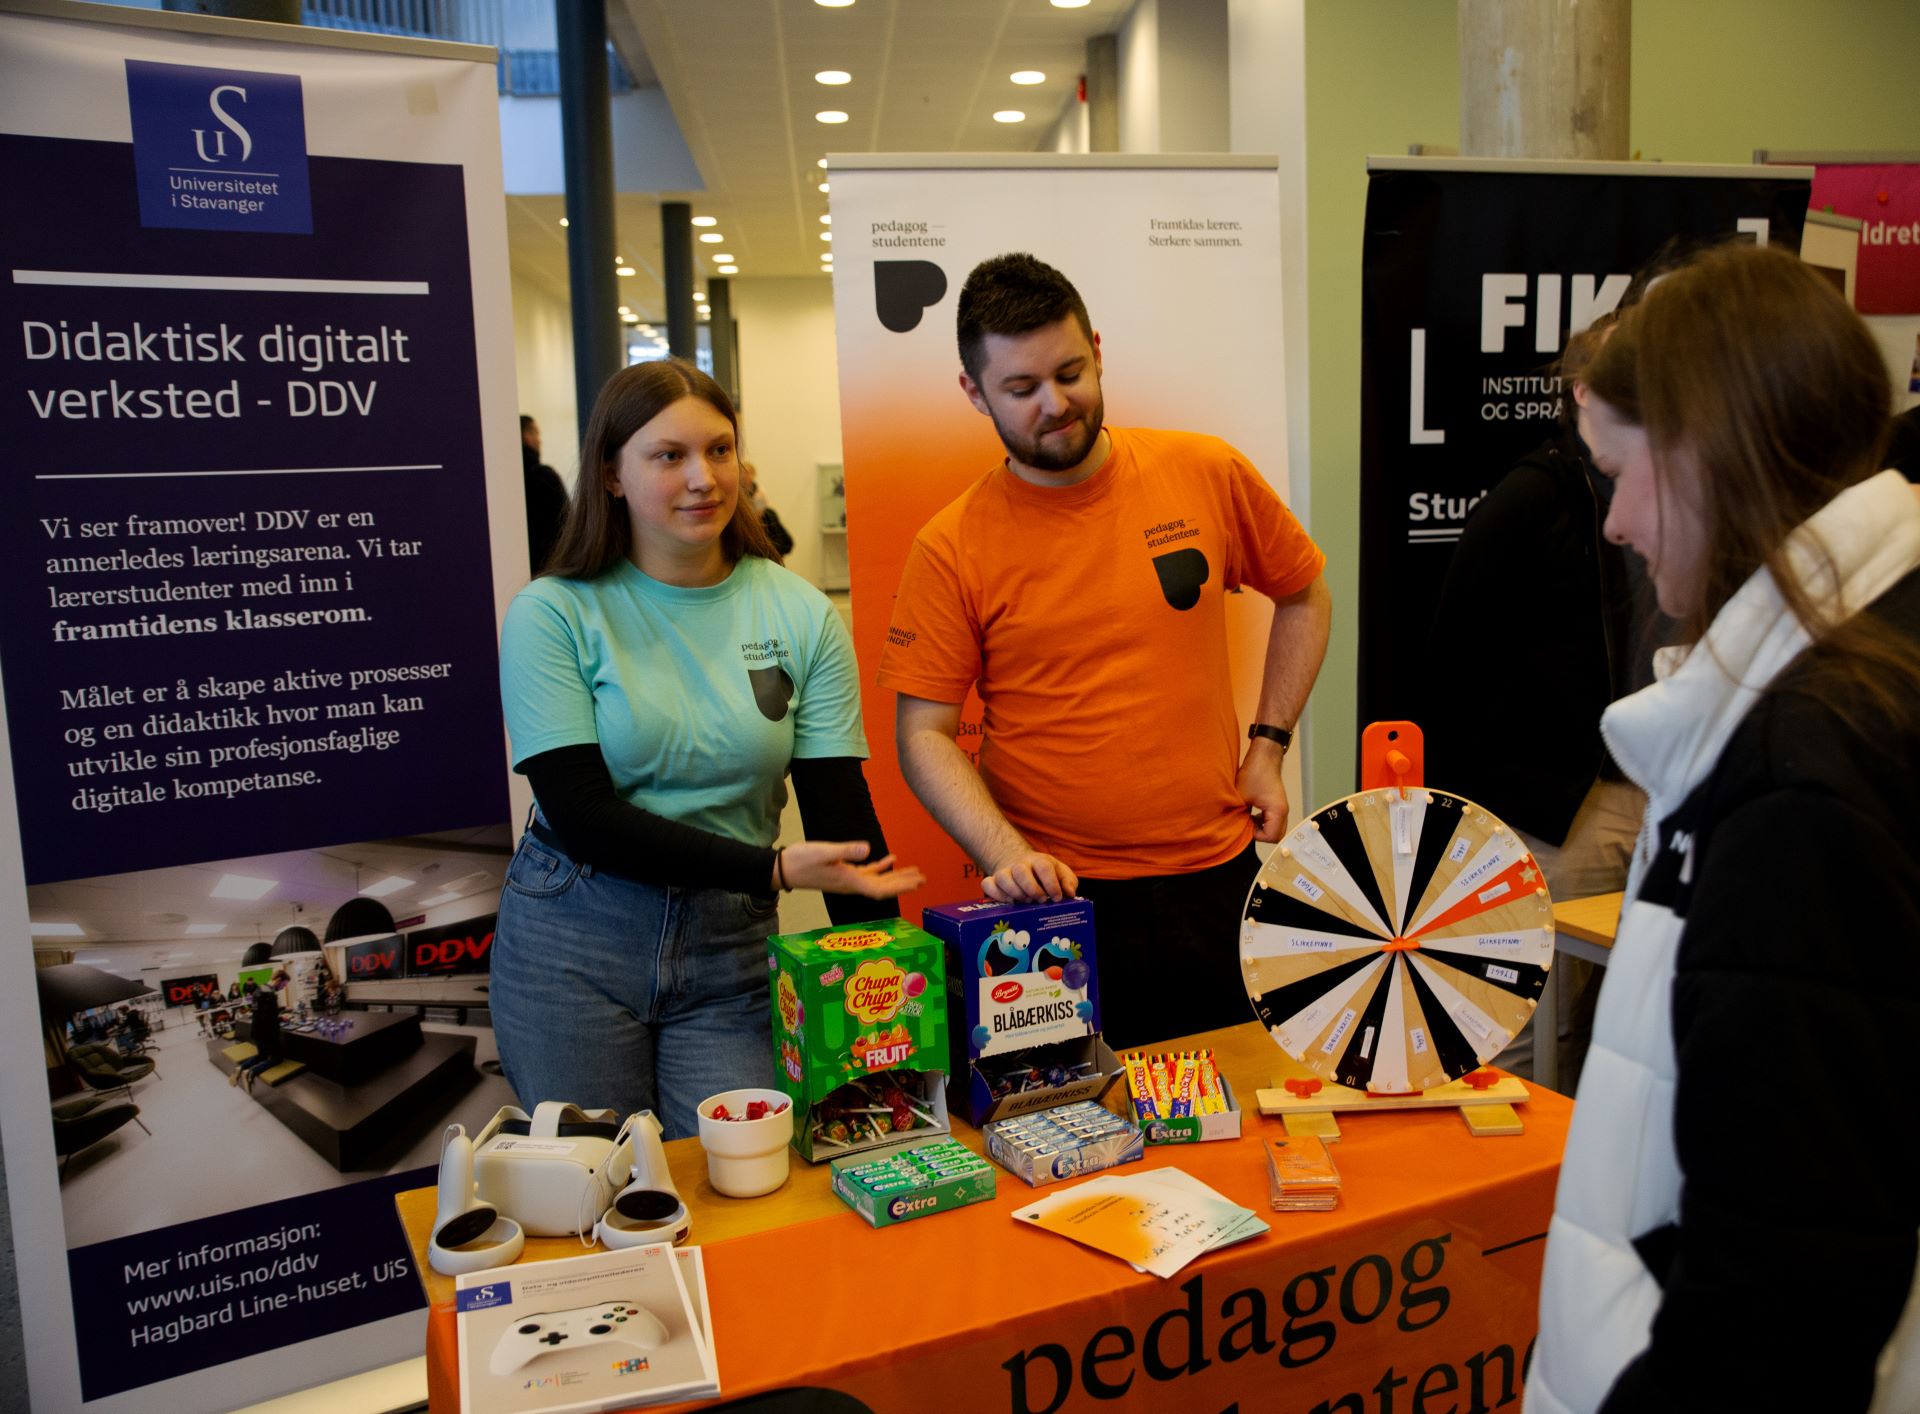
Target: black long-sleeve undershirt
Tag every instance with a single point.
(599, 827)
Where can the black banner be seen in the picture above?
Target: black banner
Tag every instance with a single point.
(186, 991)
(451, 949)
(1471, 283)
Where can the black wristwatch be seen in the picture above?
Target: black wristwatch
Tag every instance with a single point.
(1271, 733)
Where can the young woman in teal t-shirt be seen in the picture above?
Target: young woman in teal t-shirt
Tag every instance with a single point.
(661, 680)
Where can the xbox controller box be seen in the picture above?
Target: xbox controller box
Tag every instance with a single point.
(1026, 998)
(860, 1035)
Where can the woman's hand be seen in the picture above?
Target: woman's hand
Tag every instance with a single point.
(835, 868)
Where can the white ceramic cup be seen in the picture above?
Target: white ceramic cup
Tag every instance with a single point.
(746, 1157)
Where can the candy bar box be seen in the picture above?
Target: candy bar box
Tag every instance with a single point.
(912, 1181)
(1026, 1000)
(860, 1035)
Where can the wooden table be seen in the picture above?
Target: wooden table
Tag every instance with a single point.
(1583, 928)
(971, 1310)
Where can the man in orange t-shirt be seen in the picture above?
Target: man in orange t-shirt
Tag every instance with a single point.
(1080, 587)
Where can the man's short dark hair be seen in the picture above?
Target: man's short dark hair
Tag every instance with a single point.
(526, 421)
(1013, 294)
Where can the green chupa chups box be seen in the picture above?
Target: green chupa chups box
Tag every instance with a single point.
(856, 1002)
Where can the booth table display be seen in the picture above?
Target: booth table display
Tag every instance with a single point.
(373, 1041)
(1419, 1291)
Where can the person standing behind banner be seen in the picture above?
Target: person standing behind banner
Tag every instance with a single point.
(1081, 588)
(546, 497)
(1533, 547)
(1746, 1125)
(660, 681)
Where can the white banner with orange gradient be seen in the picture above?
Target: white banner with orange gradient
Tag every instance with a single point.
(1178, 260)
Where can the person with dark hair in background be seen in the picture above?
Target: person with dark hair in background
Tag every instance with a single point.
(660, 682)
(777, 533)
(1080, 586)
(1745, 1125)
(265, 1031)
(546, 497)
(1533, 547)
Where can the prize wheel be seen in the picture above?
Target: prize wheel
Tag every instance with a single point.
(1394, 944)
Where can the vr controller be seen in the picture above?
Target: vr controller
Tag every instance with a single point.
(563, 1171)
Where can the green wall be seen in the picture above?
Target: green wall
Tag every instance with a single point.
(1712, 80)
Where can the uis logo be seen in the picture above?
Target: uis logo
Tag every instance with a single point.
(630, 1367)
(219, 149)
(542, 1382)
(903, 290)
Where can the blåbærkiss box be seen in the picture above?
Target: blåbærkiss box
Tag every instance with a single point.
(1021, 977)
(857, 1002)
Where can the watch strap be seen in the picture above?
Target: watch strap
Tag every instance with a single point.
(1271, 733)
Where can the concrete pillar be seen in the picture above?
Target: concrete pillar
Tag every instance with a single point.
(1103, 93)
(586, 140)
(676, 276)
(1545, 78)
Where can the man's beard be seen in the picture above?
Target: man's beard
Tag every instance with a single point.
(1036, 454)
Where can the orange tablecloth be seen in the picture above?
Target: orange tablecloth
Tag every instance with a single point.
(1417, 1293)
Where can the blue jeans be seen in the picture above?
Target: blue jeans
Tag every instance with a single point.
(612, 993)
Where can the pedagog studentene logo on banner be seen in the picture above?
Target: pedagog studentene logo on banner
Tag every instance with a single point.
(219, 149)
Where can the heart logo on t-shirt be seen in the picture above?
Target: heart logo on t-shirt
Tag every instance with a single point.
(1181, 572)
(772, 691)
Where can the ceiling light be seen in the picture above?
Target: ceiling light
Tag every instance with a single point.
(704, 308)
(706, 220)
(625, 270)
(563, 220)
(241, 886)
(711, 238)
(392, 884)
(826, 220)
(436, 900)
(833, 76)
(57, 930)
(205, 930)
(826, 235)
(831, 115)
(625, 310)
(1070, 4)
(834, 4)
(1009, 115)
(729, 269)
(821, 163)
(1027, 76)
(626, 318)
(720, 257)
(824, 186)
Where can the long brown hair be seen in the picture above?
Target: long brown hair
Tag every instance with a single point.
(595, 535)
(1764, 393)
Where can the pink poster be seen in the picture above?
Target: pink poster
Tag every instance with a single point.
(1885, 197)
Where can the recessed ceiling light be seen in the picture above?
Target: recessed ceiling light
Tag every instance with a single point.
(711, 238)
(699, 296)
(729, 269)
(1027, 76)
(1070, 4)
(625, 270)
(563, 220)
(833, 77)
(241, 886)
(436, 900)
(834, 4)
(706, 220)
(825, 186)
(821, 163)
(205, 930)
(629, 319)
(720, 257)
(826, 220)
(625, 310)
(1009, 115)
(826, 235)
(831, 115)
(392, 884)
(704, 308)
(57, 930)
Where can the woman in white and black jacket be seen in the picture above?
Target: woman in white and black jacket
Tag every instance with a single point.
(1738, 1207)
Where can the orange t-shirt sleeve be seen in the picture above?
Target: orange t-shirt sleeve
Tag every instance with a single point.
(933, 643)
(1272, 550)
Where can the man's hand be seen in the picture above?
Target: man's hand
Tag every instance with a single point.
(1030, 877)
(835, 868)
(1262, 787)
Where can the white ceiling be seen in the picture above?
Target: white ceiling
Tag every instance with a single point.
(927, 76)
(137, 922)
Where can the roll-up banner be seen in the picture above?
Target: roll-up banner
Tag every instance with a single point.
(1178, 260)
(1474, 273)
(255, 349)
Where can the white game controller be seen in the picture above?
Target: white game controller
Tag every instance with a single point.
(562, 1332)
